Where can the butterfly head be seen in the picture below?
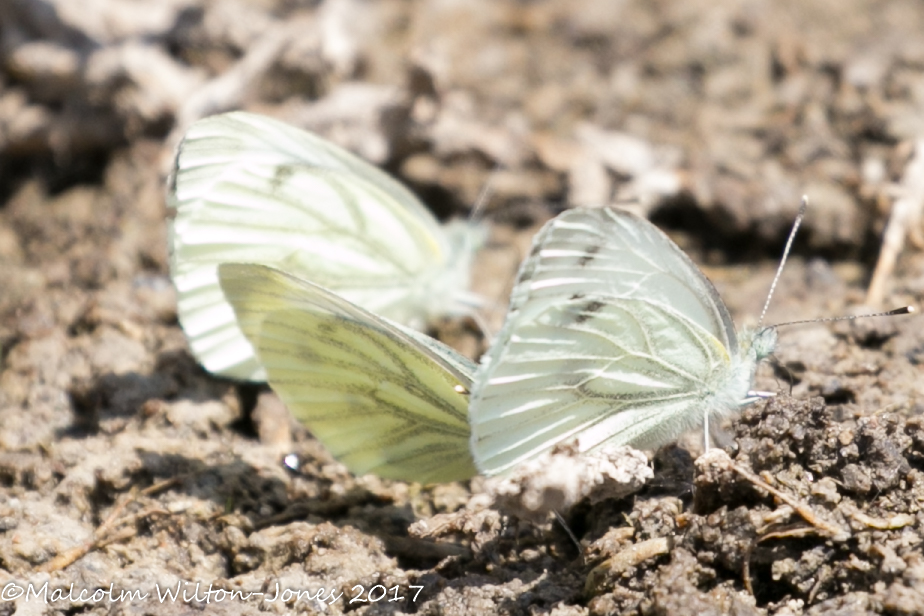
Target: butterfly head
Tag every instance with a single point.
(758, 343)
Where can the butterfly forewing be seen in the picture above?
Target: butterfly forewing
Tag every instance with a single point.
(619, 255)
(612, 334)
(379, 399)
(240, 138)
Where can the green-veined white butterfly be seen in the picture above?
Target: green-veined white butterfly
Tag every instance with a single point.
(613, 336)
(250, 189)
(383, 398)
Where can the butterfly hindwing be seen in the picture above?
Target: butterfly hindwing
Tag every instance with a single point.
(382, 398)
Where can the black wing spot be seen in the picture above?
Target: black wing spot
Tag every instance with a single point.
(326, 328)
(589, 255)
(588, 310)
(578, 296)
(282, 175)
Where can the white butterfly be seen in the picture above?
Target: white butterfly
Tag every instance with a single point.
(250, 189)
(613, 337)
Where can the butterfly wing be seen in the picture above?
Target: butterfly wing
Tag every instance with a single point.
(613, 335)
(383, 398)
(250, 189)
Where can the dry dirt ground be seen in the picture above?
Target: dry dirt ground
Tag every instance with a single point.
(125, 468)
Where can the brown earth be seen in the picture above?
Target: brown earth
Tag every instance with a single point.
(123, 463)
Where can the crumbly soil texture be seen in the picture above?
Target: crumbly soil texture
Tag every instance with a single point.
(127, 471)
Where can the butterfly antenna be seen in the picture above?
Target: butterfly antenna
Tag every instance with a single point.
(487, 191)
(779, 270)
(483, 326)
(888, 313)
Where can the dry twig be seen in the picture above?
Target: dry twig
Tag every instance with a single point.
(109, 531)
(906, 216)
